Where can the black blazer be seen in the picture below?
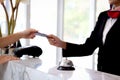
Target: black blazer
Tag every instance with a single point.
(109, 53)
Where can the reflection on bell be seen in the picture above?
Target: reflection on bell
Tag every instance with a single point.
(66, 64)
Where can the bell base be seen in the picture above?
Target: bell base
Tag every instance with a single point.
(65, 68)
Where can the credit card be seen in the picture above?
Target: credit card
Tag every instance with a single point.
(41, 34)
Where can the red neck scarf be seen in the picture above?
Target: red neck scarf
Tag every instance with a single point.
(113, 14)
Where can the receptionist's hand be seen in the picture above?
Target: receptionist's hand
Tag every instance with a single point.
(54, 40)
(6, 58)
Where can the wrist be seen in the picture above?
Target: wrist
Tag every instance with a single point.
(64, 45)
(20, 35)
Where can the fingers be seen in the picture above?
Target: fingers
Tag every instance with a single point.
(13, 58)
(6, 58)
(51, 39)
(29, 33)
(9, 57)
(54, 40)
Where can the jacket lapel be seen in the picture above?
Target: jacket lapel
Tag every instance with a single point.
(104, 20)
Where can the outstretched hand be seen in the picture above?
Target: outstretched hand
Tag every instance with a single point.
(54, 40)
(29, 33)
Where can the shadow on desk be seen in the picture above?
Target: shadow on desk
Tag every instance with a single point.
(60, 73)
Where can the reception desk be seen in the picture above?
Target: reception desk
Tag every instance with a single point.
(36, 69)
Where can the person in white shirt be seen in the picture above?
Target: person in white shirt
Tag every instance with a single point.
(5, 41)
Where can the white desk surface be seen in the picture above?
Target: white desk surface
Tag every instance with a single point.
(77, 74)
(35, 69)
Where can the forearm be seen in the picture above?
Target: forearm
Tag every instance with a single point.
(5, 41)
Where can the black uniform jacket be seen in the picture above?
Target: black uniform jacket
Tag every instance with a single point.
(109, 52)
